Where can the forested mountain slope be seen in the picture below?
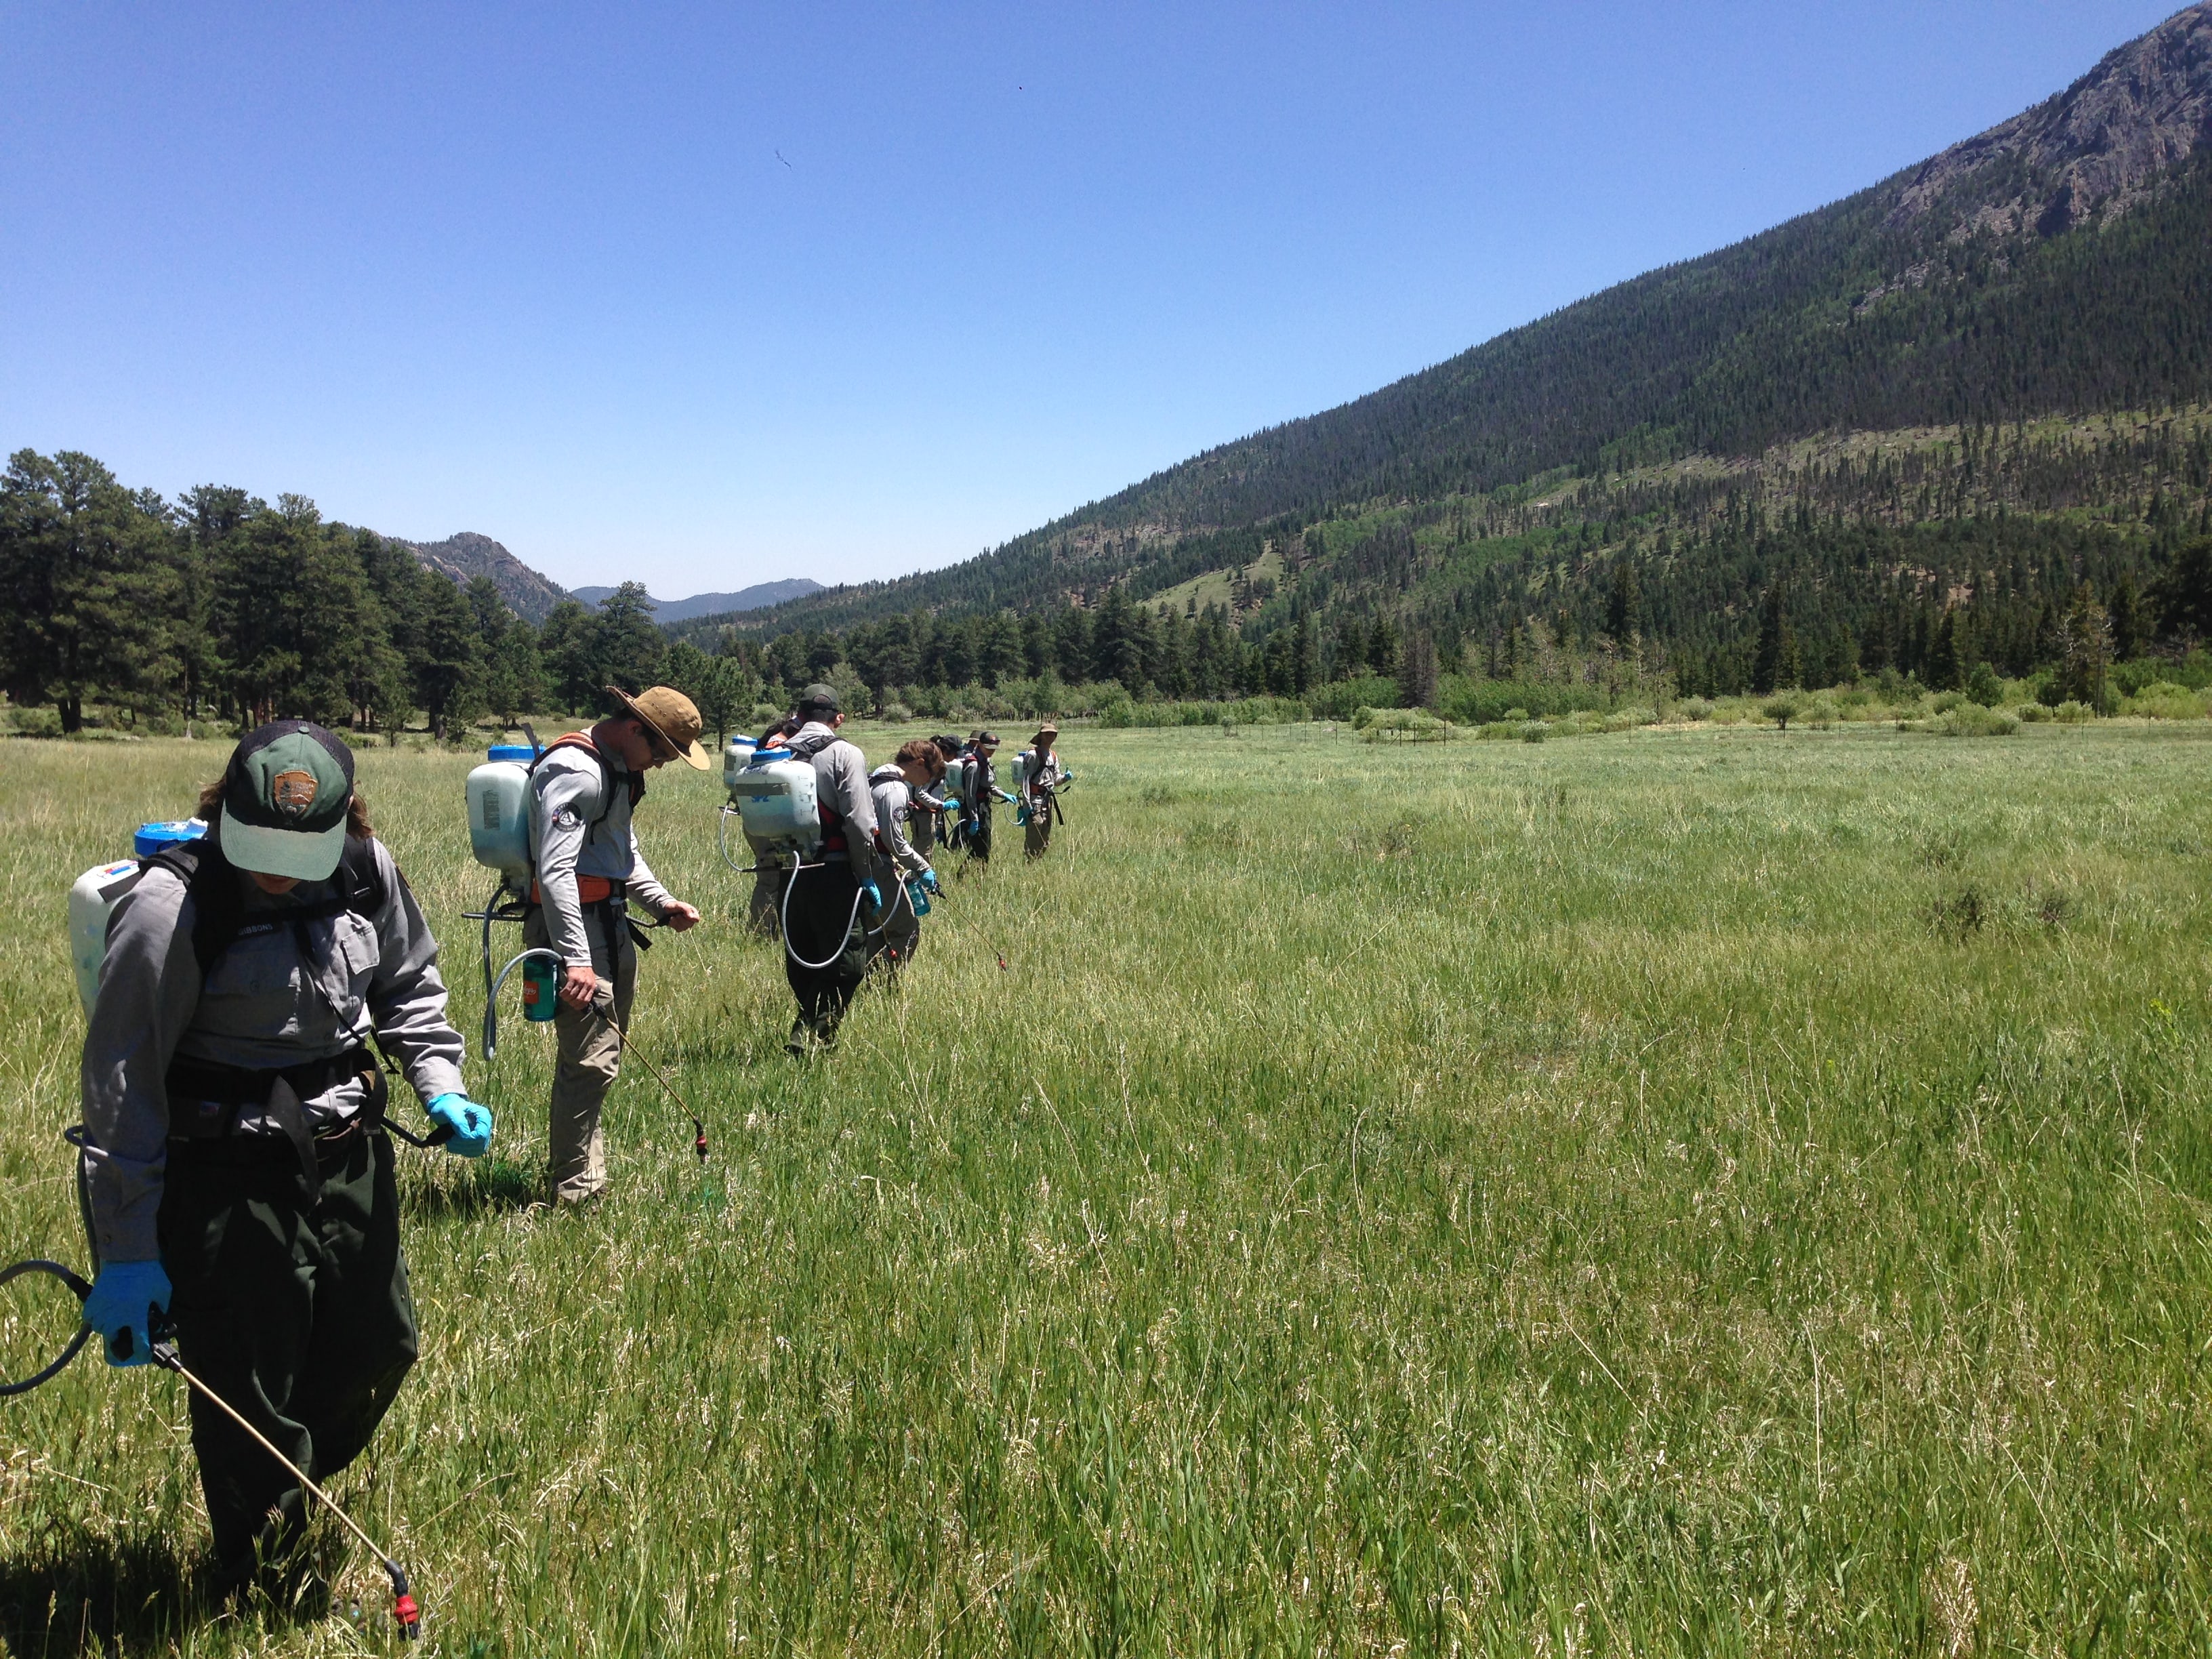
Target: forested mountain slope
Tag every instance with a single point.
(2058, 263)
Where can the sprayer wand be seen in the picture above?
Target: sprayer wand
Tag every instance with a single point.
(698, 1129)
(164, 1353)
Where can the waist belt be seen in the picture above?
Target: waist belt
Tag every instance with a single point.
(590, 889)
(216, 1092)
(211, 1085)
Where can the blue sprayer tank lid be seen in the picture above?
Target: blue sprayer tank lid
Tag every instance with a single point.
(153, 837)
(511, 751)
(762, 757)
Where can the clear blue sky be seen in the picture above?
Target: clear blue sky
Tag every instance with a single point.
(539, 271)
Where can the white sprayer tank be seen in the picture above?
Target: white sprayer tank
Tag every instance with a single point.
(499, 800)
(737, 756)
(93, 897)
(777, 804)
(91, 900)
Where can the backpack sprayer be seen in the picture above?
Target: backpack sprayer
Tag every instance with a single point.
(773, 795)
(92, 901)
(499, 837)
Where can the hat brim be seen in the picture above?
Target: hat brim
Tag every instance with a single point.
(694, 756)
(301, 854)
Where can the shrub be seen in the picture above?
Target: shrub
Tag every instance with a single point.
(1983, 686)
(1405, 725)
(2073, 714)
(1515, 714)
(1694, 709)
(39, 722)
(2162, 700)
(1971, 719)
(1782, 710)
(2032, 712)
(1535, 731)
(1946, 700)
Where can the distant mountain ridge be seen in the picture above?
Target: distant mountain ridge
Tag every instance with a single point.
(2056, 263)
(467, 555)
(758, 597)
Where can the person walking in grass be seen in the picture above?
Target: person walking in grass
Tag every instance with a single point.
(238, 1172)
(1038, 775)
(930, 825)
(896, 789)
(979, 792)
(588, 873)
(832, 901)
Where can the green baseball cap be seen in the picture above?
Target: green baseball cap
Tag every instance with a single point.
(285, 799)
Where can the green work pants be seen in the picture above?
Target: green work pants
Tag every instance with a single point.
(294, 1307)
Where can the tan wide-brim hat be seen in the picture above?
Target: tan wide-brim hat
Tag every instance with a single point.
(673, 717)
(1045, 732)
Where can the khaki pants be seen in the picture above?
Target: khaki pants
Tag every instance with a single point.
(590, 1055)
(762, 915)
(1037, 832)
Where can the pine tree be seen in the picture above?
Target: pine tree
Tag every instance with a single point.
(2184, 596)
(1417, 671)
(1624, 610)
(1945, 671)
(627, 648)
(2087, 652)
(1768, 667)
(2125, 607)
(91, 586)
(447, 677)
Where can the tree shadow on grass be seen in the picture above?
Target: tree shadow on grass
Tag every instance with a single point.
(78, 1592)
(485, 1186)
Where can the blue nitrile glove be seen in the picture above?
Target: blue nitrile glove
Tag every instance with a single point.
(1004, 796)
(122, 1291)
(1021, 816)
(928, 880)
(874, 894)
(1067, 775)
(469, 1122)
(952, 803)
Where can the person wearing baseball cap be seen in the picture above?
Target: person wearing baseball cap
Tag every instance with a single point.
(831, 904)
(587, 874)
(238, 1165)
(980, 790)
(1038, 776)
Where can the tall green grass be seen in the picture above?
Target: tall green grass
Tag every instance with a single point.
(1677, 1192)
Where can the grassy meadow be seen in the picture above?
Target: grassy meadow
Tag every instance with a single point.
(1679, 1191)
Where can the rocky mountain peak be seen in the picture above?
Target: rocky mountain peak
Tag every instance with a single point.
(2090, 152)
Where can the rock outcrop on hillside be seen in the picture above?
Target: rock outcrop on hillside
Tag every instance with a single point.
(468, 556)
(2092, 151)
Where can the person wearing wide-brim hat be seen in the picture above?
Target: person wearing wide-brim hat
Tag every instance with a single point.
(588, 872)
(1038, 776)
(239, 1175)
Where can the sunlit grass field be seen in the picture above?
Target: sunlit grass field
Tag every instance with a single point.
(1673, 1192)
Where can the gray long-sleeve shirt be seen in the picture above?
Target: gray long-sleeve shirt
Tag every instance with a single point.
(841, 783)
(265, 1005)
(894, 802)
(576, 830)
(1033, 778)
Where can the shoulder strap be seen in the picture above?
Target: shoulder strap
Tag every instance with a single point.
(219, 907)
(583, 740)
